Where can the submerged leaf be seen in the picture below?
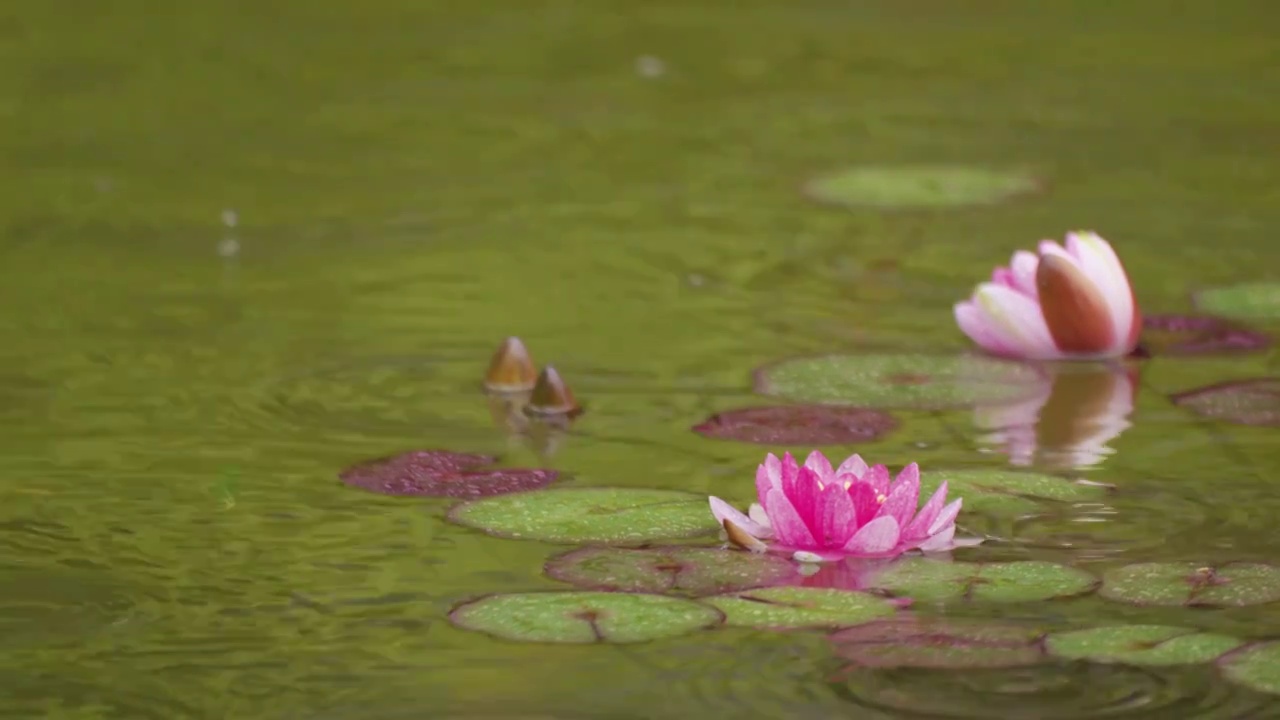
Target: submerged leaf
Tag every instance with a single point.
(920, 186)
(1245, 402)
(1197, 335)
(798, 425)
(583, 617)
(906, 381)
(1232, 584)
(1141, 645)
(928, 642)
(439, 473)
(781, 608)
(676, 570)
(605, 516)
(1258, 300)
(928, 580)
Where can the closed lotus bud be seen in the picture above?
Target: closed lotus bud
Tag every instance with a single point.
(551, 396)
(511, 369)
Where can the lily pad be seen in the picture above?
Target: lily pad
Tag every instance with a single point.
(440, 473)
(1229, 585)
(1141, 645)
(906, 381)
(1255, 401)
(920, 186)
(599, 515)
(929, 642)
(1255, 666)
(1010, 493)
(1260, 300)
(1198, 335)
(583, 617)
(782, 608)
(798, 425)
(928, 580)
(677, 570)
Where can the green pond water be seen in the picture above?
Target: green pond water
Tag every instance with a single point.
(619, 184)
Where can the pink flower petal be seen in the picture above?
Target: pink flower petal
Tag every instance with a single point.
(918, 528)
(819, 463)
(865, 500)
(903, 496)
(1023, 267)
(1099, 262)
(789, 469)
(946, 517)
(973, 323)
(853, 465)
(724, 511)
(757, 513)
(838, 516)
(875, 538)
(1016, 321)
(940, 541)
(788, 527)
(878, 478)
(804, 493)
(768, 476)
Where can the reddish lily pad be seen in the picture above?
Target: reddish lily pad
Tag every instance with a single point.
(1254, 666)
(1229, 585)
(1141, 645)
(798, 425)
(1255, 401)
(440, 473)
(928, 580)
(788, 608)
(596, 515)
(905, 381)
(930, 642)
(1198, 335)
(671, 571)
(1260, 300)
(583, 617)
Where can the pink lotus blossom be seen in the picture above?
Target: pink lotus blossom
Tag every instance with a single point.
(854, 510)
(1072, 302)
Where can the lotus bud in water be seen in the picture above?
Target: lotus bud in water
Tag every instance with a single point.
(511, 369)
(551, 396)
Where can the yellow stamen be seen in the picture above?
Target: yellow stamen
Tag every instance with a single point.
(881, 498)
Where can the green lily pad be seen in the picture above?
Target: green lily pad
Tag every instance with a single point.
(676, 570)
(583, 617)
(781, 608)
(928, 580)
(1255, 401)
(920, 186)
(1256, 300)
(1229, 585)
(930, 642)
(906, 380)
(1009, 493)
(1256, 667)
(1141, 645)
(598, 515)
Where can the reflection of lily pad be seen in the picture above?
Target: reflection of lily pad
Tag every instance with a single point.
(583, 617)
(1255, 666)
(798, 425)
(1245, 402)
(909, 381)
(938, 643)
(438, 473)
(677, 570)
(919, 186)
(929, 580)
(1248, 300)
(1232, 584)
(1197, 335)
(1141, 645)
(606, 516)
(1010, 493)
(800, 607)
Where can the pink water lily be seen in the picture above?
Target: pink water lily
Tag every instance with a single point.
(822, 513)
(1071, 302)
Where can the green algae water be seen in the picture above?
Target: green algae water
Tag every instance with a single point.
(244, 246)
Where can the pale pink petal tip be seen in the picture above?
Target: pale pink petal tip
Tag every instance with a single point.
(724, 511)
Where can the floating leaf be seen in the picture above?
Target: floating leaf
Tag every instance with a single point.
(1245, 402)
(1141, 645)
(1010, 493)
(1232, 584)
(439, 473)
(909, 381)
(798, 425)
(920, 186)
(928, 580)
(928, 642)
(1197, 335)
(1259, 300)
(583, 617)
(676, 570)
(1255, 666)
(800, 607)
(605, 516)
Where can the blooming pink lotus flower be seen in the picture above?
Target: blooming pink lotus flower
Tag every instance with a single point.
(1065, 303)
(854, 510)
